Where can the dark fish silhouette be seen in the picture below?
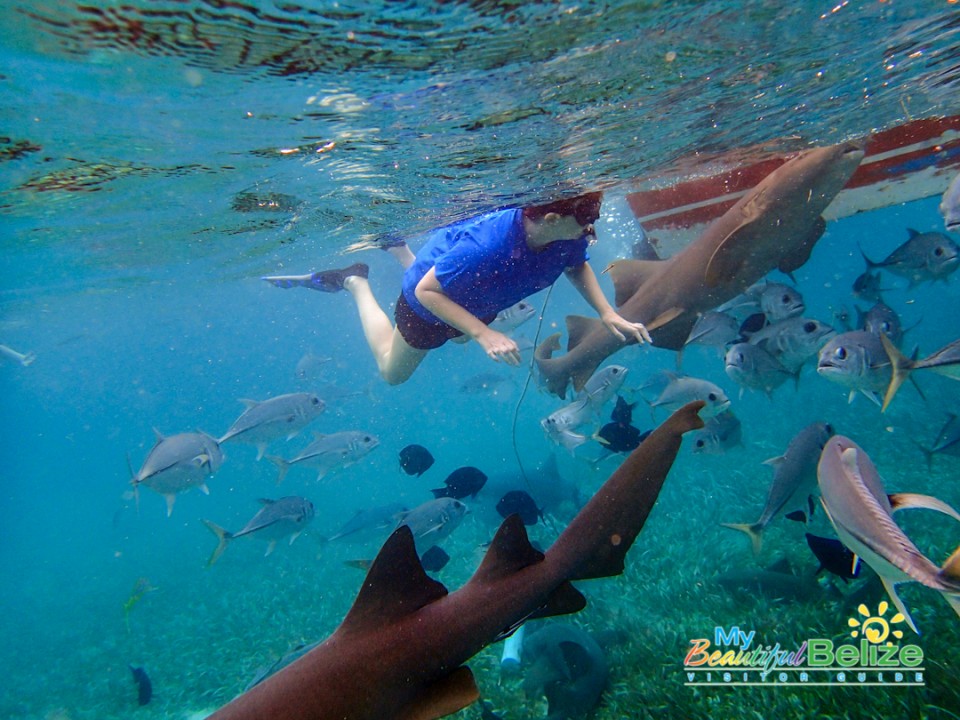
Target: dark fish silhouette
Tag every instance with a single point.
(144, 686)
(623, 411)
(401, 649)
(462, 482)
(619, 438)
(775, 225)
(434, 559)
(415, 460)
(834, 557)
(519, 502)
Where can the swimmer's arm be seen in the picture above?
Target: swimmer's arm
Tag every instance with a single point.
(585, 281)
(495, 344)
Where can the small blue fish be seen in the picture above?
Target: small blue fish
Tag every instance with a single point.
(462, 482)
(415, 460)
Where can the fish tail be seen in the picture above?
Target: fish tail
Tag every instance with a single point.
(870, 263)
(900, 365)
(223, 536)
(282, 467)
(752, 530)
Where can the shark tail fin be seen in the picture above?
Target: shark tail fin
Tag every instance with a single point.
(553, 374)
(752, 530)
(223, 536)
(900, 365)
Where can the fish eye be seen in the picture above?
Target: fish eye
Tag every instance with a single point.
(810, 327)
(712, 397)
(785, 299)
(700, 443)
(829, 428)
(938, 251)
(840, 353)
(315, 400)
(367, 438)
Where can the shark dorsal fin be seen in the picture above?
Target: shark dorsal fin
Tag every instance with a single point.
(629, 275)
(395, 586)
(509, 552)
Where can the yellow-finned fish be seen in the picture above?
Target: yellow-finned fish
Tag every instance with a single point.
(854, 499)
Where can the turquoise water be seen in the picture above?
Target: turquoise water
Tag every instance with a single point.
(131, 257)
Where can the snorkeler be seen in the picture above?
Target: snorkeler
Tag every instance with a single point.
(468, 272)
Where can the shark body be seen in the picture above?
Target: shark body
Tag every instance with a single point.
(401, 649)
(775, 225)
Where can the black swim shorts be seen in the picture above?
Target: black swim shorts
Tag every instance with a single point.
(423, 334)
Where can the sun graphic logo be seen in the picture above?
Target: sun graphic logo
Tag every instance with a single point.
(876, 628)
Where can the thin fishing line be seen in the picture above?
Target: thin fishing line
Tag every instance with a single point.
(523, 394)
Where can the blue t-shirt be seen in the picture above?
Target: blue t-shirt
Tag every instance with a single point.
(484, 264)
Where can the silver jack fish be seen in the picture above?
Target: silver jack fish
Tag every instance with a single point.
(857, 360)
(281, 416)
(176, 464)
(794, 478)
(277, 519)
(328, 453)
(861, 512)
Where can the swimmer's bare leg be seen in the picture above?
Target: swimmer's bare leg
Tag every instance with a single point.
(395, 359)
(402, 254)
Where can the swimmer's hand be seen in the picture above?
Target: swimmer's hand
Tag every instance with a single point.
(498, 346)
(622, 329)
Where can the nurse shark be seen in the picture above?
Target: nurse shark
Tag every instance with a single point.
(400, 650)
(775, 225)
